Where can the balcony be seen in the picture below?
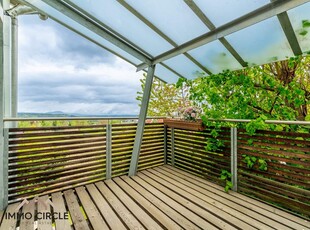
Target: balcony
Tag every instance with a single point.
(78, 175)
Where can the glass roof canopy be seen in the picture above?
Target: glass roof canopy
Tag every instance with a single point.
(184, 37)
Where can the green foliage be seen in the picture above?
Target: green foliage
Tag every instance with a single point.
(303, 32)
(262, 165)
(165, 99)
(226, 176)
(305, 23)
(279, 90)
(256, 124)
(252, 160)
(55, 123)
(213, 143)
(249, 160)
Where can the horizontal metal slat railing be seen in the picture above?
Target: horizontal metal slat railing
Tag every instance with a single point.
(42, 160)
(286, 180)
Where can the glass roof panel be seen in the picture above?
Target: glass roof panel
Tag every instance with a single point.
(221, 12)
(300, 19)
(82, 30)
(183, 24)
(114, 15)
(215, 57)
(161, 72)
(261, 43)
(165, 74)
(184, 66)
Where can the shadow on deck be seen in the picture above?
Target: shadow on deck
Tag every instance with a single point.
(159, 198)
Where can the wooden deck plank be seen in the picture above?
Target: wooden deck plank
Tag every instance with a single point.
(152, 209)
(120, 209)
(230, 207)
(246, 207)
(92, 212)
(43, 209)
(25, 223)
(173, 203)
(9, 223)
(59, 207)
(106, 211)
(268, 211)
(163, 206)
(211, 213)
(147, 221)
(76, 214)
(159, 198)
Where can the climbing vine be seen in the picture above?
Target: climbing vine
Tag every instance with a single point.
(226, 177)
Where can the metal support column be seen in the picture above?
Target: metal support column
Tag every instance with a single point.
(108, 174)
(4, 170)
(234, 156)
(4, 70)
(172, 146)
(7, 100)
(141, 122)
(14, 84)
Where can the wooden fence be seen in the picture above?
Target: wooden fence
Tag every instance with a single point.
(48, 159)
(152, 148)
(186, 150)
(284, 181)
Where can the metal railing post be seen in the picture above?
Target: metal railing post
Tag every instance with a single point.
(172, 147)
(165, 144)
(108, 151)
(4, 170)
(234, 156)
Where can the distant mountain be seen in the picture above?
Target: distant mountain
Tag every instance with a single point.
(56, 112)
(53, 114)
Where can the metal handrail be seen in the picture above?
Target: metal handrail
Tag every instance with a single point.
(266, 121)
(278, 122)
(8, 119)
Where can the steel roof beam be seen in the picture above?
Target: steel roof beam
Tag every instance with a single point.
(160, 33)
(249, 19)
(85, 36)
(105, 26)
(118, 35)
(289, 33)
(86, 22)
(211, 27)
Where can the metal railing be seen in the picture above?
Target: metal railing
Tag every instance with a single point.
(41, 160)
(286, 182)
(9, 119)
(280, 174)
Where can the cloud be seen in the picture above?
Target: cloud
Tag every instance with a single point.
(62, 71)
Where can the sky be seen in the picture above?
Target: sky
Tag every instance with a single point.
(62, 71)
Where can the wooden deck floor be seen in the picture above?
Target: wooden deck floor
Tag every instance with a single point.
(159, 198)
